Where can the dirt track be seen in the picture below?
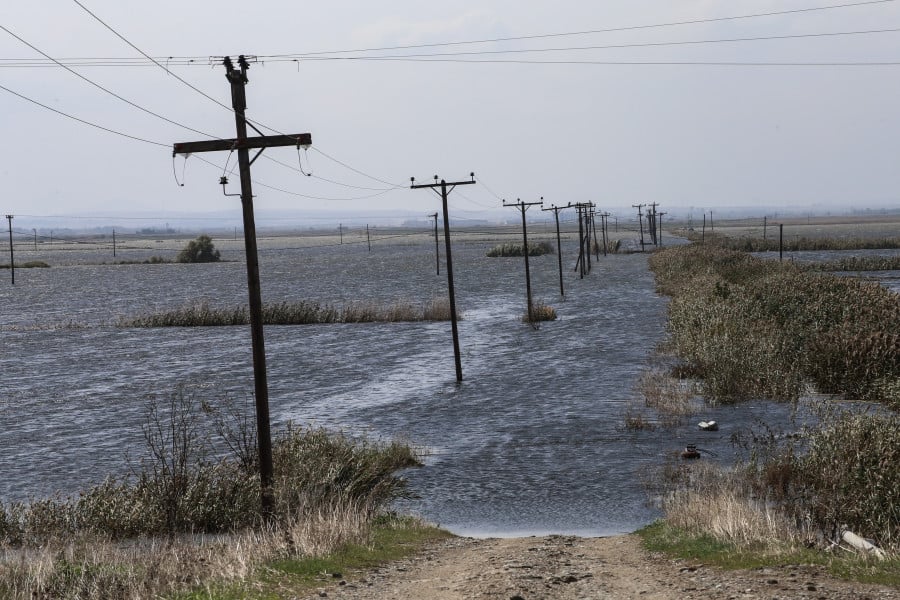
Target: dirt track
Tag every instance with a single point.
(576, 568)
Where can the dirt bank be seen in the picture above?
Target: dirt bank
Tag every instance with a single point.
(580, 568)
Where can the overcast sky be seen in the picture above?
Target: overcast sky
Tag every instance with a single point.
(529, 124)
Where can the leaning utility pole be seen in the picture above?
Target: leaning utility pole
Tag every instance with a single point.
(12, 263)
(556, 210)
(437, 246)
(453, 319)
(523, 206)
(238, 81)
(640, 222)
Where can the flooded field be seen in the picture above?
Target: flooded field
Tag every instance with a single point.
(532, 441)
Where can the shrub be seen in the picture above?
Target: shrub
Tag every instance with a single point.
(182, 487)
(540, 312)
(840, 474)
(201, 250)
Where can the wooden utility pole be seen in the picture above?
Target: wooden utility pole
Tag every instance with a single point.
(341, 232)
(12, 263)
(523, 206)
(35, 238)
(242, 143)
(604, 223)
(764, 228)
(437, 245)
(556, 210)
(660, 234)
(780, 242)
(114, 243)
(640, 222)
(453, 318)
(368, 239)
(651, 222)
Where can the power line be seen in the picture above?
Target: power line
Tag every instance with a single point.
(98, 86)
(345, 165)
(67, 115)
(592, 31)
(638, 45)
(121, 37)
(631, 63)
(197, 60)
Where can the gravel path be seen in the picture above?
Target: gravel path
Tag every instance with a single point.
(579, 568)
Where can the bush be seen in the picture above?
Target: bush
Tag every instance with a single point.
(183, 487)
(201, 250)
(841, 475)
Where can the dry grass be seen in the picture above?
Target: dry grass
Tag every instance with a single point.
(540, 312)
(712, 501)
(666, 394)
(93, 567)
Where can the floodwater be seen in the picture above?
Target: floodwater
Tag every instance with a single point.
(531, 442)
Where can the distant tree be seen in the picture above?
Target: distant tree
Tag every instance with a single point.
(200, 250)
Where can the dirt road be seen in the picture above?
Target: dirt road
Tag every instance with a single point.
(580, 568)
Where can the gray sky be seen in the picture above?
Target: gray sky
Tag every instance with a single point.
(703, 136)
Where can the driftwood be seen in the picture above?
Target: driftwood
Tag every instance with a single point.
(862, 544)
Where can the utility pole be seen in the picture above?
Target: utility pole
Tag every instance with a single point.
(764, 228)
(780, 243)
(453, 318)
(238, 80)
(660, 234)
(35, 238)
(114, 243)
(437, 246)
(556, 210)
(604, 223)
(368, 239)
(341, 232)
(579, 264)
(640, 222)
(651, 222)
(523, 206)
(12, 263)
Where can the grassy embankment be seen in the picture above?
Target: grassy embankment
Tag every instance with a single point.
(187, 524)
(294, 313)
(745, 328)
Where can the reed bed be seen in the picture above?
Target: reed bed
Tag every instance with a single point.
(857, 263)
(753, 328)
(294, 313)
(514, 249)
(749, 328)
(793, 243)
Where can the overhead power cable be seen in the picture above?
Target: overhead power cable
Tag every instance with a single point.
(590, 31)
(104, 89)
(636, 45)
(67, 115)
(159, 64)
(150, 58)
(198, 60)
(628, 63)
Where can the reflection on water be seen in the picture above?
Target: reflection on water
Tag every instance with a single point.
(531, 442)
